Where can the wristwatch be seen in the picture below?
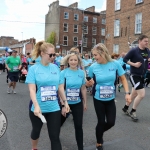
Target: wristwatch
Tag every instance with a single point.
(127, 93)
(62, 106)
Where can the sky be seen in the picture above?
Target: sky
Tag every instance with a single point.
(25, 19)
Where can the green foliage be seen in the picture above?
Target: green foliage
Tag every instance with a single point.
(52, 38)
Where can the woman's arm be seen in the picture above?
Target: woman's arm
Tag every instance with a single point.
(83, 91)
(32, 89)
(63, 98)
(126, 88)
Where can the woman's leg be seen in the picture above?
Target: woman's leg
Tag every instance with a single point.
(53, 125)
(36, 128)
(77, 112)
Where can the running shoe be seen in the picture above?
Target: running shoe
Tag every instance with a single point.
(14, 92)
(8, 90)
(125, 111)
(99, 148)
(133, 116)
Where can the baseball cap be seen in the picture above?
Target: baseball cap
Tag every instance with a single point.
(14, 51)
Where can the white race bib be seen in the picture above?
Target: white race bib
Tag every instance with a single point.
(48, 93)
(73, 94)
(15, 68)
(106, 91)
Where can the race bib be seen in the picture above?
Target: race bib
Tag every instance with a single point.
(48, 93)
(73, 94)
(15, 68)
(106, 91)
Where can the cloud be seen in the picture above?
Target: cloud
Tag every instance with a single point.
(103, 7)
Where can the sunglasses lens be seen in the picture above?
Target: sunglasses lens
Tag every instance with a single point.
(50, 55)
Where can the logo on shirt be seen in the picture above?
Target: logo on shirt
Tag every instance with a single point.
(112, 69)
(53, 72)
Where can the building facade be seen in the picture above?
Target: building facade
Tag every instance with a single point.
(24, 47)
(5, 41)
(75, 27)
(125, 21)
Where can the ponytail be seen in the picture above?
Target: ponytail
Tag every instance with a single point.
(37, 50)
(41, 46)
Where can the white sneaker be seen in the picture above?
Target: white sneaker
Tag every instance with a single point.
(13, 91)
(8, 90)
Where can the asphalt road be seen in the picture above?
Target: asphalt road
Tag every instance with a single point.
(125, 135)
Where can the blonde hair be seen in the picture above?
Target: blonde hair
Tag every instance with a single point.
(39, 47)
(66, 59)
(103, 51)
(74, 49)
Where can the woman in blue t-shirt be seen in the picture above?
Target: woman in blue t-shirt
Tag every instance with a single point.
(104, 74)
(72, 81)
(43, 82)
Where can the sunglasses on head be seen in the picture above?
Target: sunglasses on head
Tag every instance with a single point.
(50, 55)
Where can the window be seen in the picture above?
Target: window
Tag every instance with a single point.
(86, 18)
(76, 17)
(85, 42)
(75, 41)
(103, 31)
(103, 21)
(85, 31)
(94, 30)
(138, 23)
(102, 41)
(116, 27)
(139, 1)
(94, 20)
(93, 42)
(66, 15)
(75, 30)
(116, 49)
(65, 41)
(117, 4)
(65, 27)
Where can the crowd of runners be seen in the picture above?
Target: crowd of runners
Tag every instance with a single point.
(58, 86)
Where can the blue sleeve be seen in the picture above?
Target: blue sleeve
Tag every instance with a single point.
(83, 82)
(31, 76)
(91, 71)
(62, 77)
(120, 70)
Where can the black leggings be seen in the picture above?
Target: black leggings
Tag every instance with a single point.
(77, 112)
(53, 124)
(106, 115)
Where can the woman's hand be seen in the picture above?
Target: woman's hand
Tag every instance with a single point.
(84, 106)
(63, 111)
(89, 83)
(128, 98)
(67, 107)
(37, 110)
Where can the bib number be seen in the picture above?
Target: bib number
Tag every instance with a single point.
(48, 93)
(106, 91)
(15, 68)
(73, 94)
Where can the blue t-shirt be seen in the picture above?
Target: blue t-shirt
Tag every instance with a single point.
(74, 80)
(47, 80)
(4, 58)
(58, 60)
(85, 63)
(105, 75)
(121, 62)
(29, 60)
(1, 60)
(37, 60)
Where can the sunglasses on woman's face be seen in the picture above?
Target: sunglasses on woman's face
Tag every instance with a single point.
(50, 55)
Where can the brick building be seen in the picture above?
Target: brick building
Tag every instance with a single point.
(25, 46)
(75, 27)
(5, 41)
(125, 21)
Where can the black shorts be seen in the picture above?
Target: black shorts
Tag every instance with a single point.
(137, 82)
(1, 66)
(13, 76)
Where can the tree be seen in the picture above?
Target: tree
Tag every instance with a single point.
(52, 38)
